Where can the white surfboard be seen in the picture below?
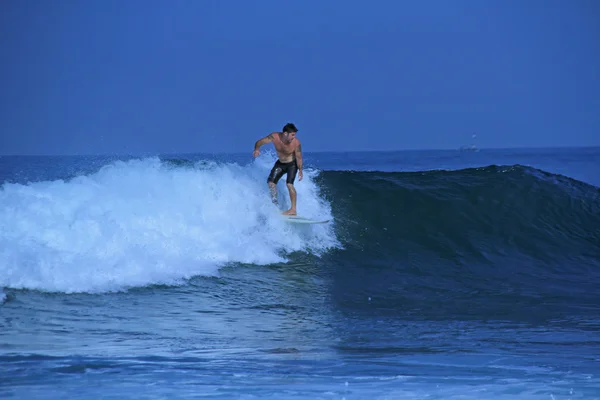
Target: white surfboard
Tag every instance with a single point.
(303, 220)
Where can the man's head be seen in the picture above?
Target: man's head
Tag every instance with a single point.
(289, 132)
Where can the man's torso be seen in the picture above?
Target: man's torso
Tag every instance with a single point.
(285, 151)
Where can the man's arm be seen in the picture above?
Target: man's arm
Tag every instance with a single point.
(260, 142)
(299, 160)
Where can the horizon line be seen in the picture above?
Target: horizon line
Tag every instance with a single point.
(154, 154)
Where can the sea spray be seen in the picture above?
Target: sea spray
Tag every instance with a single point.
(146, 221)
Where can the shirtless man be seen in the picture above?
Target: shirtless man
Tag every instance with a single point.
(289, 151)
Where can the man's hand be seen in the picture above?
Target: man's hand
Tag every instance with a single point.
(265, 140)
(300, 175)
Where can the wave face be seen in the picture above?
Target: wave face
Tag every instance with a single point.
(472, 233)
(497, 208)
(145, 222)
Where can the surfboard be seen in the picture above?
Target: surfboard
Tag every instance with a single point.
(303, 220)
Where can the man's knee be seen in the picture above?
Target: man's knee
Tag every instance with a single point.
(290, 186)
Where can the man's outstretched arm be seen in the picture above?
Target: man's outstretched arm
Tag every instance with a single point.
(260, 142)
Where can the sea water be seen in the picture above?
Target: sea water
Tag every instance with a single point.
(443, 274)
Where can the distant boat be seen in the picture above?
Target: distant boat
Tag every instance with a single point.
(471, 147)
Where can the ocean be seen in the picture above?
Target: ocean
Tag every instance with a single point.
(442, 275)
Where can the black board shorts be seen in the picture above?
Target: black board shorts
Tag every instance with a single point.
(290, 168)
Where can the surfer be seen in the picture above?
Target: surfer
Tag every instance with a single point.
(289, 151)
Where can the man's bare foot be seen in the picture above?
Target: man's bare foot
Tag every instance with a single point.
(289, 212)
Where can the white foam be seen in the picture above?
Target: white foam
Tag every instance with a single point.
(145, 222)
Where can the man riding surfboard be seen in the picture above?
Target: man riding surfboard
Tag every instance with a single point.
(289, 152)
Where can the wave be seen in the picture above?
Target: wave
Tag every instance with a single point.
(448, 212)
(453, 239)
(143, 222)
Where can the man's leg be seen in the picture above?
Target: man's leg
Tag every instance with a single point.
(292, 210)
(291, 176)
(274, 176)
(273, 190)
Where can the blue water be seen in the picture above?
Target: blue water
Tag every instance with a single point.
(444, 274)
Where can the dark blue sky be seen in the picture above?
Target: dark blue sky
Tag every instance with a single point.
(146, 76)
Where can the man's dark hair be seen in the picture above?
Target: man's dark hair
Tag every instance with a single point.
(289, 128)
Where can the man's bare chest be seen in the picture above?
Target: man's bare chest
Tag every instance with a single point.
(284, 147)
